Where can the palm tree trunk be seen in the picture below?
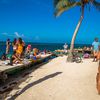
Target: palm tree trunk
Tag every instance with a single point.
(70, 56)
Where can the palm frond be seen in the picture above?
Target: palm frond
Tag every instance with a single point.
(63, 5)
(96, 4)
(57, 1)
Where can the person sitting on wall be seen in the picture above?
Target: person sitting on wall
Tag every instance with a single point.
(36, 53)
(28, 51)
(15, 59)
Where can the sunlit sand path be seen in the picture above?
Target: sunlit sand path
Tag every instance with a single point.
(58, 80)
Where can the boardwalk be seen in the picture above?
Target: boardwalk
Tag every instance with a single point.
(59, 80)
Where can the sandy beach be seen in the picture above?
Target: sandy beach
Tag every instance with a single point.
(59, 80)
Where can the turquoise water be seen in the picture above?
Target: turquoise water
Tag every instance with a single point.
(42, 46)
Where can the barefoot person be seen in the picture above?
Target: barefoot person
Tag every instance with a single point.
(96, 46)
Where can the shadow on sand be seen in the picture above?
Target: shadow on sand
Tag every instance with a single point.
(34, 83)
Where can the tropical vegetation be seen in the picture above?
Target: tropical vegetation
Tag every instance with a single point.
(64, 5)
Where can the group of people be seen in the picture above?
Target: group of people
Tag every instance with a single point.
(18, 46)
(94, 49)
(87, 51)
(20, 51)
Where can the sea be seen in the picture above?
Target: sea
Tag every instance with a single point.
(42, 46)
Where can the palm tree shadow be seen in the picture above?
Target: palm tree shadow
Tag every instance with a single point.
(34, 83)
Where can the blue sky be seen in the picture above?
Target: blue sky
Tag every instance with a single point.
(34, 21)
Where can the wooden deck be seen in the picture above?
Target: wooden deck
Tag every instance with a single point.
(4, 69)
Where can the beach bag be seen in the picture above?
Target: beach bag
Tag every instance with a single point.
(32, 57)
(86, 55)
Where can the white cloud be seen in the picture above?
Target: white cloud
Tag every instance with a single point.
(19, 35)
(15, 34)
(7, 34)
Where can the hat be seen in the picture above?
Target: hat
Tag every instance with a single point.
(29, 46)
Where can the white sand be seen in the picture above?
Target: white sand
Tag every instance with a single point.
(76, 82)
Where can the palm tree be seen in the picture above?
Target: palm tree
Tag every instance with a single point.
(64, 5)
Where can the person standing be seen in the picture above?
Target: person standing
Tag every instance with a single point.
(14, 44)
(65, 47)
(23, 46)
(19, 50)
(7, 46)
(95, 46)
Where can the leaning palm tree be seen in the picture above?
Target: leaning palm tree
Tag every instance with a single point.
(64, 5)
